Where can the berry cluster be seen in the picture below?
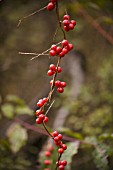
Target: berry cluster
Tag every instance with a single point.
(51, 5)
(61, 51)
(60, 85)
(48, 154)
(67, 23)
(41, 117)
(62, 147)
(53, 69)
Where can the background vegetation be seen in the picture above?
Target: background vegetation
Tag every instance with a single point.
(23, 82)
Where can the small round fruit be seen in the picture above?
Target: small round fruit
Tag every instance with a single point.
(50, 6)
(52, 67)
(60, 90)
(61, 150)
(52, 53)
(65, 43)
(50, 73)
(63, 84)
(38, 112)
(46, 119)
(55, 133)
(66, 17)
(38, 121)
(65, 22)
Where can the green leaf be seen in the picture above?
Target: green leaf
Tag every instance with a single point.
(8, 110)
(17, 136)
(71, 133)
(72, 149)
(23, 110)
(15, 99)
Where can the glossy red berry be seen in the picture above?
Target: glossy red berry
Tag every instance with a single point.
(53, 47)
(61, 167)
(52, 53)
(59, 70)
(66, 28)
(73, 22)
(52, 67)
(59, 136)
(71, 26)
(50, 72)
(46, 119)
(55, 133)
(40, 103)
(60, 90)
(47, 162)
(58, 49)
(50, 6)
(41, 116)
(38, 121)
(48, 153)
(61, 54)
(64, 146)
(57, 83)
(67, 17)
(60, 150)
(65, 22)
(64, 162)
(64, 51)
(70, 47)
(63, 84)
(56, 138)
(65, 43)
(38, 112)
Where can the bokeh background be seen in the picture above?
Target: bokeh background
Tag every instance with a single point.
(84, 111)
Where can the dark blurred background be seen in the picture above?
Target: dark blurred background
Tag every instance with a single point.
(85, 110)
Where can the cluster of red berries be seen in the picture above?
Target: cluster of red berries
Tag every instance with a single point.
(61, 164)
(62, 147)
(53, 69)
(48, 154)
(67, 23)
(51, 5)
(41, 117)
(60, 85)
(41, 102)
(61, 51)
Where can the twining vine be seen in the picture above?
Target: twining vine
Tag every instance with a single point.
(59, 50)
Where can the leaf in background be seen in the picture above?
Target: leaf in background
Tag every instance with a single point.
(100, 157)
(8, 110)
(15, 99)
(17, 136)
(72, 149)
(23, 110)
(70, 133)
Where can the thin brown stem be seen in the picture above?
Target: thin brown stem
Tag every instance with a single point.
(33, 13)
(47, 130)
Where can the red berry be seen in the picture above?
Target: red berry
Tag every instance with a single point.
(58, 49)
(59, 70)
(48, 153)
(50, 72)
(73, 22)
(52, 67)
(70, 47)
(66, 17)
(52, 53)
(71, 26)
(61, 54)
(47, 162)
(64, 146)
(50, 6)
(59, 136)
(65, 43)
(64, 51)
(61, 150)
(61, 167)
(46, 119)
(66, 28)
(60, 90)
(56, 138)
(63, 84)
(53, 47)
(42, 116)
(38, 112)
(40, 103)
(38, 121)
(45, 99)
(55, 133)
(64, 162)
(65, 22)
(57, 83)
